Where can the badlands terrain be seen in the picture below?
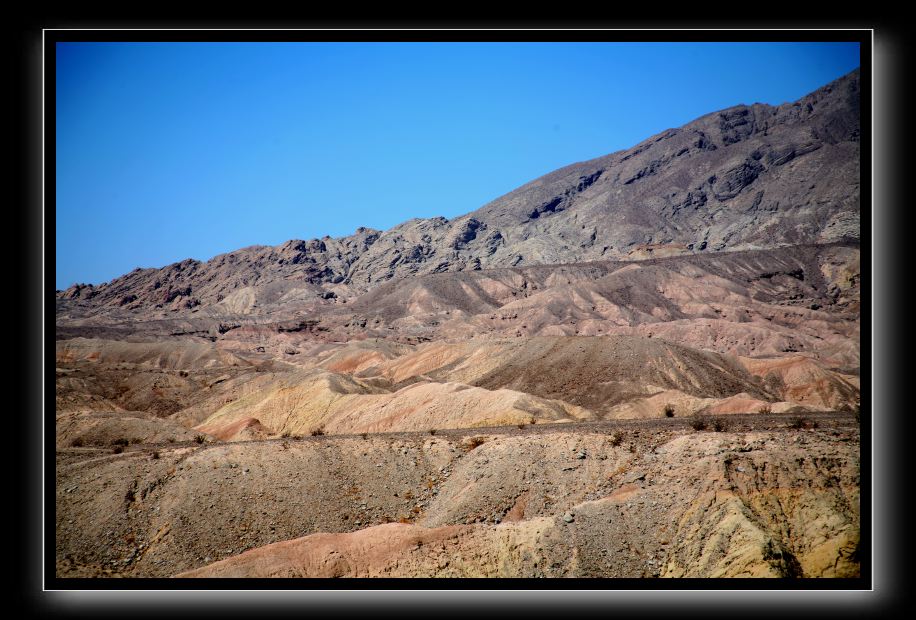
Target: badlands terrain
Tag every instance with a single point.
(644, 365)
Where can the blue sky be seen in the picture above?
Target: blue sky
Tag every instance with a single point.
(167, 151)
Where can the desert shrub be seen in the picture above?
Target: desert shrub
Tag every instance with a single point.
(156, 454)
(719, 425)
(797, 423)
(473, 442)
(698, 423)
(669, 411)
(765, 410)
(364, 435)
(432, 431)
(533, 420)
(200, 438)
(121, 441)
(521, 425)
(77, 443)
(286, 435)
(616, 438)
(118, 449)
(136, 440)
(318, 432)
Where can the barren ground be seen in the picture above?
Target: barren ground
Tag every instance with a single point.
(557, 499)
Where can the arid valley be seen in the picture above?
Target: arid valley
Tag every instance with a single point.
(642, 365)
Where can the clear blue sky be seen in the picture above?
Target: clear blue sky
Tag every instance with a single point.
(167, 151)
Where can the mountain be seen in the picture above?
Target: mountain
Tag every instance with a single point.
(747, 177)
(643, 365)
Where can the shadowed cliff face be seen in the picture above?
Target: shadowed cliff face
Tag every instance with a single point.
(753, 176)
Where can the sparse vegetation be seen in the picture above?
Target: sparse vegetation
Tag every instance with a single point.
(121, 441)
(432, 431)
(474, 442)
(669, 411)
(765, 410)
(200, 439)
(698, 423)
(77, 443)
(318, 431)
(800, 422)
(155, 454)
(521, 425)
(616, 438)
(286, 435)
(719, 424)
(364, 435)
(118, 450)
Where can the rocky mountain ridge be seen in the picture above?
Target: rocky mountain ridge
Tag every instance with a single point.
(747, 177)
